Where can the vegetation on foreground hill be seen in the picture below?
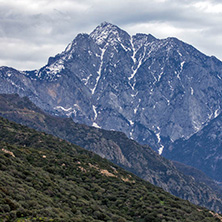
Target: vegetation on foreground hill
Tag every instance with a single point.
(48, 179)
(118, 148)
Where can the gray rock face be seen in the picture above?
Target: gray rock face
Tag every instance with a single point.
(202, 150)
(153, 90)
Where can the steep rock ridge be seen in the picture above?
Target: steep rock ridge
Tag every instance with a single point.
(154, 90)
(198, 175)
(202, 150)
(118, 148)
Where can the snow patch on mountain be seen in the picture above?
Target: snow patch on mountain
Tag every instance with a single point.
(131, 122)
(216, 113)
(86, 80)
(134, 52)
(95, 112)
(55, 68)
(181, 65)
(68, 111)
(64, 109)
(99, 72)
(96, 125)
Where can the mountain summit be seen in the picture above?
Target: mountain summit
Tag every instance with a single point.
(107, 33)
(154, 90)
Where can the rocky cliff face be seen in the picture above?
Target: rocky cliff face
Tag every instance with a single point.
(154, 90)
(202, 150)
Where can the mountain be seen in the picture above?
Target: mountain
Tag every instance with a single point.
(198, 175)
(154, 90)
(44, 178)
(202, 150)
(119, 149)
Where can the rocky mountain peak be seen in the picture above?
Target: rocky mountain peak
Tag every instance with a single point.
(146, 87)
(108, 33)
(144, 38)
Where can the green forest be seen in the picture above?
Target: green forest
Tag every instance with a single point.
(43, 178)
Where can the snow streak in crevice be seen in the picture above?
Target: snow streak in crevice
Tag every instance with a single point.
(99, 72)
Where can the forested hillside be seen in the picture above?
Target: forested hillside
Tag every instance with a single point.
(44, 178)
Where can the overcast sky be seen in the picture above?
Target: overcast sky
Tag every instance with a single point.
(33, 30)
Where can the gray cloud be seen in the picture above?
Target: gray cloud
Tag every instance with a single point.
(31, 31)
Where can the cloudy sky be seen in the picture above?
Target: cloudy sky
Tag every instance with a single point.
(33, 30)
